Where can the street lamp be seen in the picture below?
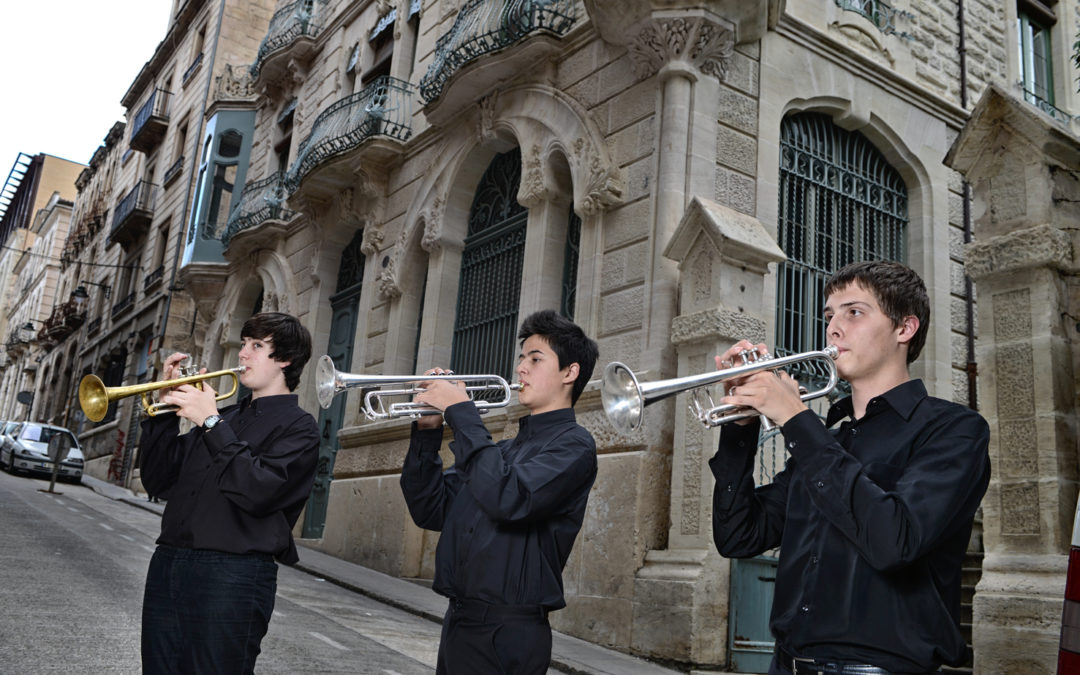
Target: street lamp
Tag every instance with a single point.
(27, 332)
(79, 297)
(107, 288)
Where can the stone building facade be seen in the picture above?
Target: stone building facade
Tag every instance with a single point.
(410, 177)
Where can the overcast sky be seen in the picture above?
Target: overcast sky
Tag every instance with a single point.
(66, 65)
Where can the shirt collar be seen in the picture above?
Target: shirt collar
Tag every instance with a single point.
(903, 398)
(265, 404)
(530, 423)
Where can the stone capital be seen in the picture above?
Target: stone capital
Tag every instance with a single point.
(1033, 247)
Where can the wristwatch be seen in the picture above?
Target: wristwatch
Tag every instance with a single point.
(210, 422)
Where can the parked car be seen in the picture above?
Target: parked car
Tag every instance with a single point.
(24, 447)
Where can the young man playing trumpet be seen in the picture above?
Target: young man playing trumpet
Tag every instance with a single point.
(235, 486)
(872, 518)
(508, 511)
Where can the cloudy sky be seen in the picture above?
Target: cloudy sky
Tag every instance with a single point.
(66, 65)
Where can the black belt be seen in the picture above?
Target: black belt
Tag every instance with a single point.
(478, 610)
(798, 666)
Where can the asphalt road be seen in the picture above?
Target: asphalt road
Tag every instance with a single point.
(72, 567)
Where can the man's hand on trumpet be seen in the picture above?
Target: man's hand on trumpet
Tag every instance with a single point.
(773, 393)
(439, 394)
(195, 404)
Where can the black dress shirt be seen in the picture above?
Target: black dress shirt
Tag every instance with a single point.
(238, 488)
(508, 512)
(873, 521)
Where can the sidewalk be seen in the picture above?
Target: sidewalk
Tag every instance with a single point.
(568, 654)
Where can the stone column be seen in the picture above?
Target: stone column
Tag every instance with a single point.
(1022, 168)
(680, 595)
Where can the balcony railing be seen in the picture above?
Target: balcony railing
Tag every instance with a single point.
(124, 305)
(260, 201)
(485, 26)
(133, 213)
(93, 326)
(151, 121)
(1047, 107)
(383, 108)
(192, 68)
(881, 14)
(154, 278)
(297, 19)
(173, 171)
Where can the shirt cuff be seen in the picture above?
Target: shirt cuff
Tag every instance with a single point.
(805, 435)
(219, 438)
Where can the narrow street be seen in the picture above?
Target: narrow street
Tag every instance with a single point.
(72, 568)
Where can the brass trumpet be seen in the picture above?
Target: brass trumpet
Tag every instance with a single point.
(329, 382)
(95, 397)
(625, 398)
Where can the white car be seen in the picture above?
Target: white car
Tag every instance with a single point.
(24, 447)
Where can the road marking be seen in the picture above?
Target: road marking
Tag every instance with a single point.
(124, 536)
(106, 527)
(72, 508)
(148, 548)
(329, 641)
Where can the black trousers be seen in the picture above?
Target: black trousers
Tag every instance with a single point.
(483, 639)
(205, 611)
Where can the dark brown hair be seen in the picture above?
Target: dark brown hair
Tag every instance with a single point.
(897, 288)
(568, 342)
(291, 341)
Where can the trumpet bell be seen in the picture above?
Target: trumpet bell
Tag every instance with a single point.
(622, 397)
(326, 381)
(93, 397)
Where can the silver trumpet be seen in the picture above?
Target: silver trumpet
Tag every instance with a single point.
(625, 398)
(329, 382)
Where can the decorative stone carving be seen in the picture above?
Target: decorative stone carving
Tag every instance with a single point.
(235, 84)
(485, 130)
(532, 190)
(603, 182)
(696, 40)
(373, 238)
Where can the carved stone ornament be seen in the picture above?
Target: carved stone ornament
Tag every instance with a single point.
(695, 40)
(431, 241)
(533, 189)
(486, 123)
(603, 183)
(235, 83)
(373, 238)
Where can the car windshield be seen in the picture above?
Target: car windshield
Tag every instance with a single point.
(39, 439)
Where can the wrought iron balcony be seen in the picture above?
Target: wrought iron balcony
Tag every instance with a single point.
(881, 14)
(151, 121)
(192, 69)
(154, 278)
(173, 171)
(124, 305)
(93, 326)
(132, 216)
(260, 201)
(1047, 107)
(383, 108)
(485, 26)
(293, 21)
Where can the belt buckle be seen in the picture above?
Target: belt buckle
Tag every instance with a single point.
(803, 666)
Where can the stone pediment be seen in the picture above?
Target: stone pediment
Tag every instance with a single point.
(735, 236)
(1004, 124)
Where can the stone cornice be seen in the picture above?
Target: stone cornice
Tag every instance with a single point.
(716, 323)
(1034, 247)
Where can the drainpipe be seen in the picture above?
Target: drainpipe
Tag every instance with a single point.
(191, 175)
(969, 301)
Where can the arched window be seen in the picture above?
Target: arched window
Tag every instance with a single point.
(840, 202)
(485, 329)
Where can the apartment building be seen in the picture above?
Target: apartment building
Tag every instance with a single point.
(411, 178)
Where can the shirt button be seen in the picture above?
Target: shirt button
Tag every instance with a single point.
(854, 432)
(813, 559)
(730, 487)
(804, 609)
(791, 445)
(820, 484)
(742, 444)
